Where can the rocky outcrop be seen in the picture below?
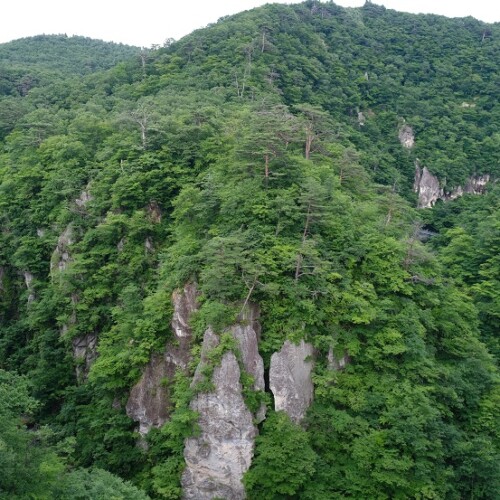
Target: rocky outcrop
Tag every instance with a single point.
(336, 362)
(429, 190)
(427, 187)
(154, 212)
(28, 281)
(149, 402)
(477, 185)
(84, 198)
(406, 136)
(218, 457)
(61, 256)
(290, 379)
(247, 333)
(185, 303)
(148, 244)
(84, 354)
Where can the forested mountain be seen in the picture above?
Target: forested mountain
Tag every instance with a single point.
(214, 278)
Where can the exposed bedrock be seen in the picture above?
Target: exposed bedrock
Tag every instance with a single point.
(290, 379)
(247, 333)
(84, 354)
(429, 189)
(61, 256)
(218, 457)
(336, 362)
(406, 136)
(149, 401)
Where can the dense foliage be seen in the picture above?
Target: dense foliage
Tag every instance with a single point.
(259, 157)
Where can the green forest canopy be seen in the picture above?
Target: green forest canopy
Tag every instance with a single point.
(259, 155)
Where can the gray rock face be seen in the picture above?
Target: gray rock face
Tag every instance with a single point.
(477, 185)
(28, 281)
(149, 402)
(210, 341)
(84, 198)
(185, 303)
(406, 136)
(84, 353)
(154, 212)
(290, 379)
(217, 459)
(428, 188)
(337, 362)
(247, 333)
(61, 256)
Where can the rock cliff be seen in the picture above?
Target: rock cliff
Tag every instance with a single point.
(247, 333)
(61, 256)
(429, 189)
(28, 281)
(149, 401)
(337, 362)
(217, 459)
(406, 136)
(84, 354)
(290, 379)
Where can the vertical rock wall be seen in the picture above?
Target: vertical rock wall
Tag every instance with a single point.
(429, 190)
(217, 459)
(61, 256)
(84, 353)
(337, 362)
(149, 401)
(406, 136)
(290, 379)
(247, 334)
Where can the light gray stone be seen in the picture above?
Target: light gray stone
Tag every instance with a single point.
(84, 353)
(28, 281)
(429, 190)
(246, 332)
(61, 256)
(149, 402)
(185, 303)
(217, 459)
(290, 379)
(336, 362)
(477, 185)
(84, 198)
(427, 187)
(406, 136)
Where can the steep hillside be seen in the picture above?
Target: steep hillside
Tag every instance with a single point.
(214, 281)
(45, 69)
(69, 55)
